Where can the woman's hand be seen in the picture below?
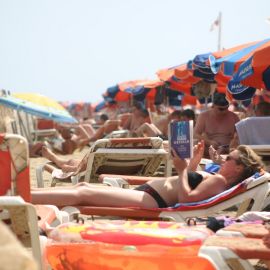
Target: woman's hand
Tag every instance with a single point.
(215, 155)
(198, 151)
(179, 164)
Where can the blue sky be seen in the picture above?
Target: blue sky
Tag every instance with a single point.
(72, 50)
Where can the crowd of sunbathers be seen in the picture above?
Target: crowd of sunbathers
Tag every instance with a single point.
(216, 135)
(216, 138)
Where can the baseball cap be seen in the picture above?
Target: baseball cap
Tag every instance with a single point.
(219, 99)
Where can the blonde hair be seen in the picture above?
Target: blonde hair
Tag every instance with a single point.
(250, 160)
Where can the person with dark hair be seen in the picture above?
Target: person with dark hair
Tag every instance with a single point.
(240, 164)
(217, 125)
(160, 129)
(262, 109)
(139, 116)
(103, 118)
(188, 114)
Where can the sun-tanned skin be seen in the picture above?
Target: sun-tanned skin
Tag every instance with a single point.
(172, 190)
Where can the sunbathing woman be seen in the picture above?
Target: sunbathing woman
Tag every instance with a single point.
(240, 164)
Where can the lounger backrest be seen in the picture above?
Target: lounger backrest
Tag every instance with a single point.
(22, 219)
(132, 156)
(249, 183)
(14, 166)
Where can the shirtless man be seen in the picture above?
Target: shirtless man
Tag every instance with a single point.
(139, 116)
(217, 125)
(240, 164)
(160, 129)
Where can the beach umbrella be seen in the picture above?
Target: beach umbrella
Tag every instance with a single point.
(178, 78)
(241, 69)
(99, 106)
(118, 92)
(115, 93)
(144, 89)
(255, 71)
(37, 105)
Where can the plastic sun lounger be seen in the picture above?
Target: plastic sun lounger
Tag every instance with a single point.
(255, 188)
(23, 221)
(136, 156)
(15, 178)
(231, 253)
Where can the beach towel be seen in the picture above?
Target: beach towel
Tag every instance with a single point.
(254, 130)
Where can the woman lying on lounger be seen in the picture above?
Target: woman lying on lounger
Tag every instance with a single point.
(188, 186)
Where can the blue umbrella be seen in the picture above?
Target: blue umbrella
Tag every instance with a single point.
(38, 105)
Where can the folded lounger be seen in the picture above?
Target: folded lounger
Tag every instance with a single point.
(255, 188)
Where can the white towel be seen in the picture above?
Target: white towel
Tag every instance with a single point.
(254, 130)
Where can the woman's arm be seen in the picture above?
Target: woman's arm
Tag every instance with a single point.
(210, 186)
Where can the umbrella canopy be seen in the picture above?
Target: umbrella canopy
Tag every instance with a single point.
(38, 105)
(138, 89)
(227, 68)
(255, 71)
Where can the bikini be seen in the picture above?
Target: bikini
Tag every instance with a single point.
(194, 179)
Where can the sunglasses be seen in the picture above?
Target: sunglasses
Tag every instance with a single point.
(237, 161)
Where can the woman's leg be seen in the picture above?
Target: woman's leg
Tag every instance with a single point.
(90, 195)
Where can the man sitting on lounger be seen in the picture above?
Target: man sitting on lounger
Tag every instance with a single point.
(188, 186)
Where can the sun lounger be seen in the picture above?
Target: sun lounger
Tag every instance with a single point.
(244, 229)
(15, 177)
(232, 253)
(23, 222)
(136, 156)
(254, 189)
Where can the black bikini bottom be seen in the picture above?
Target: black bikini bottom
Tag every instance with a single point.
(154, 194)
(194, 179)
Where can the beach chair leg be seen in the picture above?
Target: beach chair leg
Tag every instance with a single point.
(72, 212)
(39, 176)
(243, 207)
